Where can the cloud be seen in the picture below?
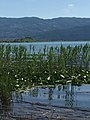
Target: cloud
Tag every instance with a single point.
(70, 6)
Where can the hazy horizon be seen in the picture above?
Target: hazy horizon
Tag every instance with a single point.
(43, 18)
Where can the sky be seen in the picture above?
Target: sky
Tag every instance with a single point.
(45, 8)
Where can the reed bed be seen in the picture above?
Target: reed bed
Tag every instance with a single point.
(22, 68)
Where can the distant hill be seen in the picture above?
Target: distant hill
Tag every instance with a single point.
(75, 33)
(62, 28)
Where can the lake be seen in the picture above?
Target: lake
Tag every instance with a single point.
(54, 44)
(38, 46)
(58, 95)
(50, 101)
(47, 98)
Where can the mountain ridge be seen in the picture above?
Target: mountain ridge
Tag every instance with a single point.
(17, 28)
(76, 33)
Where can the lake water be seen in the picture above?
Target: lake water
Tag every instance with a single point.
(58, 95)
(42, 44)
(44, 101)
(62, 96)
(38, 46)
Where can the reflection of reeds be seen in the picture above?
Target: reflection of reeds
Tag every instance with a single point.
(21, 68)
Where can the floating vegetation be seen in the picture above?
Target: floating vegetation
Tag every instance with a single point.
(22, 68)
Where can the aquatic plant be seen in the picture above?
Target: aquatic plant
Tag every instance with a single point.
(22, 68)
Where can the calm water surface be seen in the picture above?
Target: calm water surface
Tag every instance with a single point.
(49, 97)
(63, 96)
(66, 101)
(54, 44)
(38, 46)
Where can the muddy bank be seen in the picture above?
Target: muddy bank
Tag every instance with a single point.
(39, 111)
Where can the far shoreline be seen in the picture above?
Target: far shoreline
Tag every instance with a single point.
(31, 41)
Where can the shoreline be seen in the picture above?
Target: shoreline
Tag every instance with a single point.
(11, 41)
(39, 112)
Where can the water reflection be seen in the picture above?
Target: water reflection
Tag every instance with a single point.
(70, 96)
(67, 95)
(63, 96)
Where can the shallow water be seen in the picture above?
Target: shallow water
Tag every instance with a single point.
(65, 96)
(45, 101)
